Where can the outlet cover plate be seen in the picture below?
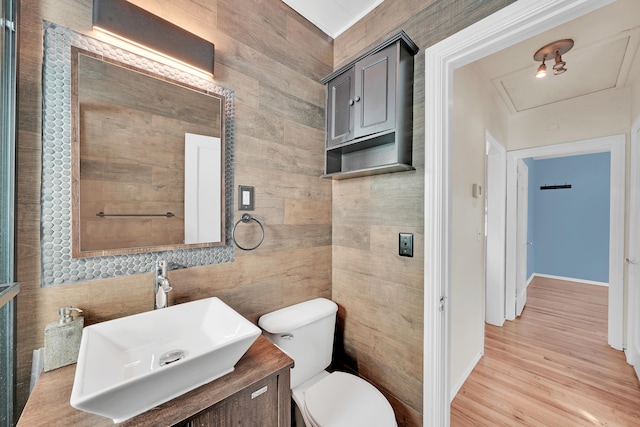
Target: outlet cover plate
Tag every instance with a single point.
(406, 244)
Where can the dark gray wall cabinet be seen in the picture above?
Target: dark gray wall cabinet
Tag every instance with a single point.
(370, 112)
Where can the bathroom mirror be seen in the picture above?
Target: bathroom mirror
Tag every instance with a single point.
(147, 169)
(64, 260)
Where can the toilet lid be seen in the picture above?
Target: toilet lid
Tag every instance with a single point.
(344, 400)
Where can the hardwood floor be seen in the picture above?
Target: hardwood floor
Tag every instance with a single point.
(552, 366)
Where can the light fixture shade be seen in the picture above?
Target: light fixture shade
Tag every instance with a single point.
(125, 20)
(559, 65)
(542, 70)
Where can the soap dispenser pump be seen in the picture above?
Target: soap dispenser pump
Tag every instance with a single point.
(62, 339)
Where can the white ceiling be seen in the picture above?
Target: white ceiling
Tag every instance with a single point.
(606, 44)
(333, 16)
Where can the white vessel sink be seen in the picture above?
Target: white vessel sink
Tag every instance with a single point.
(130, 365)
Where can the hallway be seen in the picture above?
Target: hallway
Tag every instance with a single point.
(552, 366)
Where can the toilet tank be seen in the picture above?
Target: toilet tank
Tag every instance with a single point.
(305, 332)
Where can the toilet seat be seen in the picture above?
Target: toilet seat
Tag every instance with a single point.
(344, 400)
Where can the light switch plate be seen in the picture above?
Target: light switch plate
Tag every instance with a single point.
(245, 198)
(406, 244)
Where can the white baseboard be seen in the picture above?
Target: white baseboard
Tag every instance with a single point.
(533, 275)
(456, 388)
(569, 279)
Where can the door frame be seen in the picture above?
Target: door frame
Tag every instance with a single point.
(633, 279)
(510, 25)
(521, 237)
(616, 146)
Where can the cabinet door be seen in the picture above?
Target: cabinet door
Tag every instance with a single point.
(339, 109)
(255, 406)
(375, 92)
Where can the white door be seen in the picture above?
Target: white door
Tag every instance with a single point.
(496, 193)
(633, 338)
(521, 236)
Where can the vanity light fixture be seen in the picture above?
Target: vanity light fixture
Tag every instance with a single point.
(128, 22)
(553, 51)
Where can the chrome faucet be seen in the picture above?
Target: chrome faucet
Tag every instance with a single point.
(162, 285)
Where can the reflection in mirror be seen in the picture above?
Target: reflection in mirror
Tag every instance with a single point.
(132, 187)
(59, 265)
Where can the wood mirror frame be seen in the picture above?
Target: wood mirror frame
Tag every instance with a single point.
(129, 130)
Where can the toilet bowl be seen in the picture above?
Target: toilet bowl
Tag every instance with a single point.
(344, 400)
(305, 332)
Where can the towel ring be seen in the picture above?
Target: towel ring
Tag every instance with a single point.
(246, 218)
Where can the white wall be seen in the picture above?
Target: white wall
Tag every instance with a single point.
(634, 77)
(601, 114)
(475, 111)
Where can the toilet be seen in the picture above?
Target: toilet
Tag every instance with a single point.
(305, 332)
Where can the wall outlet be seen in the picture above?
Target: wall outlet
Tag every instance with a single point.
(406, 244)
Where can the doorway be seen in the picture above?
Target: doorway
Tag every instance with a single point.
(615, 145)
(517, 22)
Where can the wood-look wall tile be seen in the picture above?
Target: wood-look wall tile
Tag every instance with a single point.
(281, 156)
(352, 188)
(406, 210)
(291, 107)
(198, 19)
(349, 45)
(292, 237)
(266, 207)
(311, 39)
(353, 236)
(257, 123)
(246, 88)
(285, 184)
(257, 65)
(301, 212)
(264, 29)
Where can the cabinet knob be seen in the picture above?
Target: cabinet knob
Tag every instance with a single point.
(357, 99)
(351, 102)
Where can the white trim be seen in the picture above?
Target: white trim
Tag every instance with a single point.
(570, 279)
(633, 287)
(512, 24)
(530, 279)
(521, 198)
(456, 388)
(616, 146)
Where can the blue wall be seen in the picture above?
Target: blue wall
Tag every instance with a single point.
(570, 227)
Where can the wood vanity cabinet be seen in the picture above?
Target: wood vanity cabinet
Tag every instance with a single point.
(256, 405)
(370, 112)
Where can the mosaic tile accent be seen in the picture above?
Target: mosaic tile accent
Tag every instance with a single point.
(58, 266)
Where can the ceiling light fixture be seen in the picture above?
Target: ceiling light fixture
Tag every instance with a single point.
(128, 22)
(554, 51)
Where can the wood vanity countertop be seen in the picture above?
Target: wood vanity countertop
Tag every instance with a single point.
(49, 405)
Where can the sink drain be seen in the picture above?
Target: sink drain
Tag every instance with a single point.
(172, 356)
